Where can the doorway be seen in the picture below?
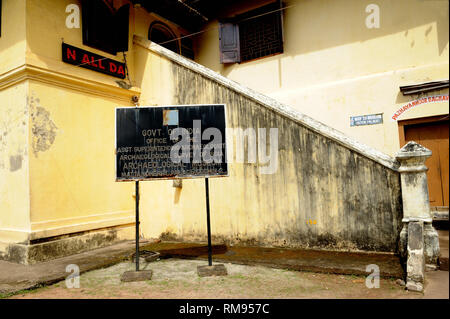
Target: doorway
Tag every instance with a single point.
(433, 133)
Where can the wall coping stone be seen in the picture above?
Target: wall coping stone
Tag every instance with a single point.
(411, 150)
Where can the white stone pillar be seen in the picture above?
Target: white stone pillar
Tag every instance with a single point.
(415, 265)
(416, 205)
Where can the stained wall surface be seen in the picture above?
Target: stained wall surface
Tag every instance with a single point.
(352, 200)
(334, 66)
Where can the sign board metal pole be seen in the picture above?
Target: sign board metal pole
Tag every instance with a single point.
(137, 226)
(208, 223)
(142, 133)
(137, 275)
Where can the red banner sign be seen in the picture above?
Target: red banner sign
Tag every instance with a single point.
(92, 61)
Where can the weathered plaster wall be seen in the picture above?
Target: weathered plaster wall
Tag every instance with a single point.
(57, 190)
(14, 157)
(57, 173)
(334, 67)
(62, 198)
(354, 199)
(72, 163)
(55, 176)
(14, 168)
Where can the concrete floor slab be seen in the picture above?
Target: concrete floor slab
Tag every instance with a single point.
(15, 277)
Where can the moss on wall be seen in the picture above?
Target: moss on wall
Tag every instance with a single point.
(354, 201)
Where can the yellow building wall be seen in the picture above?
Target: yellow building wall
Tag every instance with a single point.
(334, 67)
(248, 207)
(57, 170)
(65, 180)
(72, 162)
(12, 38)
(180, 213)
(14, 157)
(48, 17)
(14, 152)
(72, 165)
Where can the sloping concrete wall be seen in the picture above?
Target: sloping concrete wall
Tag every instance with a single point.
(328, 191)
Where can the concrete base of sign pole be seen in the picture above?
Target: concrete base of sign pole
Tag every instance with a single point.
(133, 275)
(214, 270)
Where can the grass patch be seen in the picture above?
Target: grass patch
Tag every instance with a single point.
(32, 290)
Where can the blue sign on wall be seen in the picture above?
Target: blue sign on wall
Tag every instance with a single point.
(366, 119)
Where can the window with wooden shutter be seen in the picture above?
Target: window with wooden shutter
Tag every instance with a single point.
(229, 43)
(252, 35)
(261, 33)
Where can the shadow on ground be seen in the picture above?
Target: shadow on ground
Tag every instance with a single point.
(336, 262)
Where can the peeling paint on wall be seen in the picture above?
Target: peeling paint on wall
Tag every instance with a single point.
(13, 131)
(43, 129)
(3, 146)
(15, 162)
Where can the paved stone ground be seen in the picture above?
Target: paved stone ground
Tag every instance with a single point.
(247, 278)
(15, 277)
(177, 278)
(436, 285)
(443, 245)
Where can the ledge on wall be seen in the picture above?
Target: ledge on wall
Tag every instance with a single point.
(424, 87)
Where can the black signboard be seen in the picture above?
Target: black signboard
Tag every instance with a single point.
(92, 61)
(169, 142)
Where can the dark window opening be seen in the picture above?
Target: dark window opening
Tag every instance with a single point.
(261, 36)
(105, 28)
(252, 35)
(187, 48)
(161, 34)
